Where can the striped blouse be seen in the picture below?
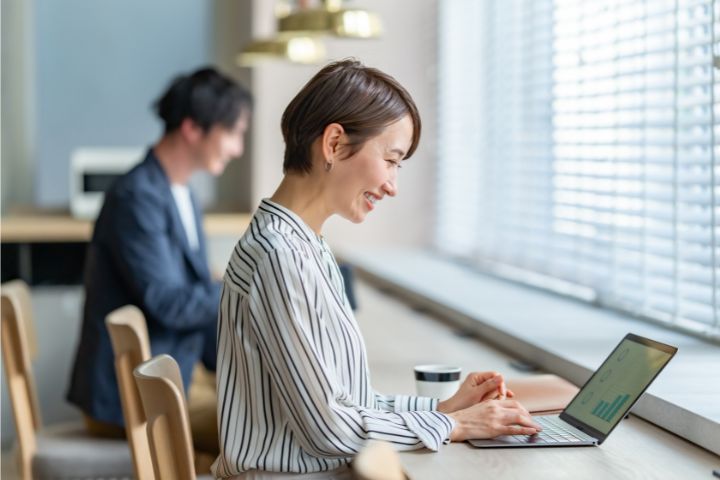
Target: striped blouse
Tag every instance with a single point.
(294, 390)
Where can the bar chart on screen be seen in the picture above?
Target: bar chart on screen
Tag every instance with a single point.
(607, 409)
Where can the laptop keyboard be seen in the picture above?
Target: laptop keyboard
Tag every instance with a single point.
(554, 430)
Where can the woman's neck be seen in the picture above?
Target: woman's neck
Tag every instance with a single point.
(304, 195)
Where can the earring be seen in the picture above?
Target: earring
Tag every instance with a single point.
(328, 166)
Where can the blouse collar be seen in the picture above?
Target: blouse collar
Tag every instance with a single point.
(296, 223)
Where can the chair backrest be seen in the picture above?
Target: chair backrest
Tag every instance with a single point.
(131, 344)
(168, 425)
(378, 461)
(17, 337)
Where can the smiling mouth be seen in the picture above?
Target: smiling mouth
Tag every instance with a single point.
(372, 199)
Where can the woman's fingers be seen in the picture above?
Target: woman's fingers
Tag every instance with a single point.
(489, 390)
(480, 377)
(493, 394)
(517, 430)
(493, 418)
(515, 415)
(520, 417)
(526, 421)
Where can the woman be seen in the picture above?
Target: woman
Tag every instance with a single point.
(293, 383)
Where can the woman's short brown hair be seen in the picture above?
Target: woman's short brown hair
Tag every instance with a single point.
(363, 100)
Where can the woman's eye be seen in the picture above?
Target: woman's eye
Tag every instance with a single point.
(394, 163)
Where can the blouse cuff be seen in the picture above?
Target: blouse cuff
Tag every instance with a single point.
(432, 428)
(411, 403)
(453, 423)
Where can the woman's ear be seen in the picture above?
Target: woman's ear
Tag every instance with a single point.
(331, 141)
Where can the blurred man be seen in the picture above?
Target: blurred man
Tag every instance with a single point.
(148, 250)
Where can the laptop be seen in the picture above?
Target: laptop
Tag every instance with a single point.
(602, 402)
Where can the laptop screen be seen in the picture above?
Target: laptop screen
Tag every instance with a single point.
(619, 381)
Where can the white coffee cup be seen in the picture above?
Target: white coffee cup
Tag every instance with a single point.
(437, 381)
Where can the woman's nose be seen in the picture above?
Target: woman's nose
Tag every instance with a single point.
(390, 187)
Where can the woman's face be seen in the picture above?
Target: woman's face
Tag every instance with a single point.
(363, 179)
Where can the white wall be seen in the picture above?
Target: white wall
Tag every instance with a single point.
(98, 67)
(17, 101)
(407, 51)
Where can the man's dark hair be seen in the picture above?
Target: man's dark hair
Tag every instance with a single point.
(205, 96)
(363, 100)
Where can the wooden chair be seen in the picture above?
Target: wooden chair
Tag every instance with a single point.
(378, 461)
(131, 345)
(62, 451)
(168, 426)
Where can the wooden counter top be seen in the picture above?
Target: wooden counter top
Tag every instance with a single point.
(50, 227)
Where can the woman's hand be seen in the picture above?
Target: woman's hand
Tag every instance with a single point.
(477, 387)
(492, 418)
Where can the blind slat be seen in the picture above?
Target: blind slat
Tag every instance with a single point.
(580, 145)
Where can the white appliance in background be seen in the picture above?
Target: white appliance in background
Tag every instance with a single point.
(92, 172)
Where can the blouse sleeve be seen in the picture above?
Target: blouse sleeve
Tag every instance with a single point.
(283, 306)
(404, 403)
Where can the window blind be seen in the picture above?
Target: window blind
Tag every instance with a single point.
(578, 147)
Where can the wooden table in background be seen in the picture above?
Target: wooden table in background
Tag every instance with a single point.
(26, 228)
(47, 227)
